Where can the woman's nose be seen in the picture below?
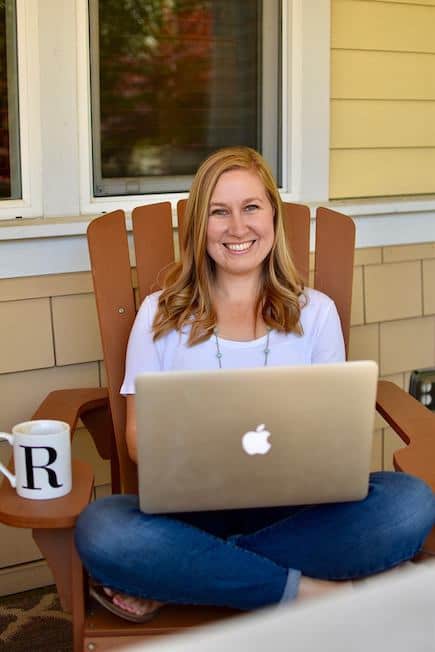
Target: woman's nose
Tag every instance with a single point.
(237, 224)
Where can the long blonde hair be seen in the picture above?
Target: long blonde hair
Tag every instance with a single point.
(187, 287)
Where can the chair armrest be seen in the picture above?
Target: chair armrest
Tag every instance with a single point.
(66, 405)
(52, 514)
(70, 404)
(92, 406)
(415, 425)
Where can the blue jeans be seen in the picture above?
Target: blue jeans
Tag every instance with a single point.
(250, 558)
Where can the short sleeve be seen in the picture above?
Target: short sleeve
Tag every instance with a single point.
(142, 353)
(328, 345)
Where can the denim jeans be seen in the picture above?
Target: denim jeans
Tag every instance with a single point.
(250, 558)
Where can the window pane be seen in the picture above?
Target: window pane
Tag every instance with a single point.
(10, 182)
(173, 80)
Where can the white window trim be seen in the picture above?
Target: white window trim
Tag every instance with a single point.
(29, 116)
(306, 71)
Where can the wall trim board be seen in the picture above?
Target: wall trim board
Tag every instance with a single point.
(377, 224)
(25, 577)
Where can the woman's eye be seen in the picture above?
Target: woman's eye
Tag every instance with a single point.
(218, 211)
(251, 207)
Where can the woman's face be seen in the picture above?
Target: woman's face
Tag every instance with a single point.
(240, 229)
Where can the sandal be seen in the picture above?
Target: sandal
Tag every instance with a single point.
(97, 592)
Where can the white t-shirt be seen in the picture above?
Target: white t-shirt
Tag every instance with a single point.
(322, 341)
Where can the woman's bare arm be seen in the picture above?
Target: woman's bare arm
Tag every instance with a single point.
(130, 428)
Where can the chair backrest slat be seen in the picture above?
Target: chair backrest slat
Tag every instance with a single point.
(334, 256)
(110, 263)
(297, 219)
(181, 209)
(153, 244)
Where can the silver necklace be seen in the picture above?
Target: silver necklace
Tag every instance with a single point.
(266, 349)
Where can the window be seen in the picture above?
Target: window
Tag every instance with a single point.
(10, 179)
(173, 80)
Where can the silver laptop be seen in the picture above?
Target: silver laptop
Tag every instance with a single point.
(228, 439)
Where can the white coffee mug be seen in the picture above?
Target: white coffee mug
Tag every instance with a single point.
(42, 459)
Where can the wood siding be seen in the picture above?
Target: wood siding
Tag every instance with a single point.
(382, 98)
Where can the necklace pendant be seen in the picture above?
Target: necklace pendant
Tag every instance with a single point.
(219, 356)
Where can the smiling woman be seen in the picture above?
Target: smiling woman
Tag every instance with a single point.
(236, 301)
(236, 264)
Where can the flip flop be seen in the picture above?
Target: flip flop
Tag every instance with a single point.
(97, 592)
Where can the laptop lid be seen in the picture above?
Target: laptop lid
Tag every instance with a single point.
(228, 439)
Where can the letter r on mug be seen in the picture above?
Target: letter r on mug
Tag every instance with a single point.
(30, 466)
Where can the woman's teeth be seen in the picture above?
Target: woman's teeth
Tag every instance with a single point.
(239, 247)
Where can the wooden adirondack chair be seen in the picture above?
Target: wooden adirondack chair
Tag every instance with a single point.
(103, 410)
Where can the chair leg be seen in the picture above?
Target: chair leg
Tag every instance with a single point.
(59, 550)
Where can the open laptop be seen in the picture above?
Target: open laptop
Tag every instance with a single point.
(228, 439)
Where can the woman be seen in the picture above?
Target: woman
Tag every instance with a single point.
(236, 300)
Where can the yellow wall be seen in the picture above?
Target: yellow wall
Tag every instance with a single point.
(382, 98)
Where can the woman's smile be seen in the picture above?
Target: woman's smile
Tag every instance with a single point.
(239, 247)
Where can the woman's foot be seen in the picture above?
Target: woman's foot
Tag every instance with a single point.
(136, 610)
(133, 605)
(313, 588)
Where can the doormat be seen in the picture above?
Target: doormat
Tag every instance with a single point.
(33, 621)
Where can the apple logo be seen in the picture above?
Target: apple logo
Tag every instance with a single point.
(255, 441)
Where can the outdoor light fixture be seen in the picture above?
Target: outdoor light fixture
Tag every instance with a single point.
(422, 386)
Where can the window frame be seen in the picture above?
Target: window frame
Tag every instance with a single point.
(30, 204)
(268, 126)
(304, 109)
(13, 106)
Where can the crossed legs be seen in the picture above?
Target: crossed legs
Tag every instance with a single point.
(252, 558)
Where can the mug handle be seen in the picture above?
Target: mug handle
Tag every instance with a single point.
(10, 476)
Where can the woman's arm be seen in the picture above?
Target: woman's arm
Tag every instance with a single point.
(130, 428)
(141, 356)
